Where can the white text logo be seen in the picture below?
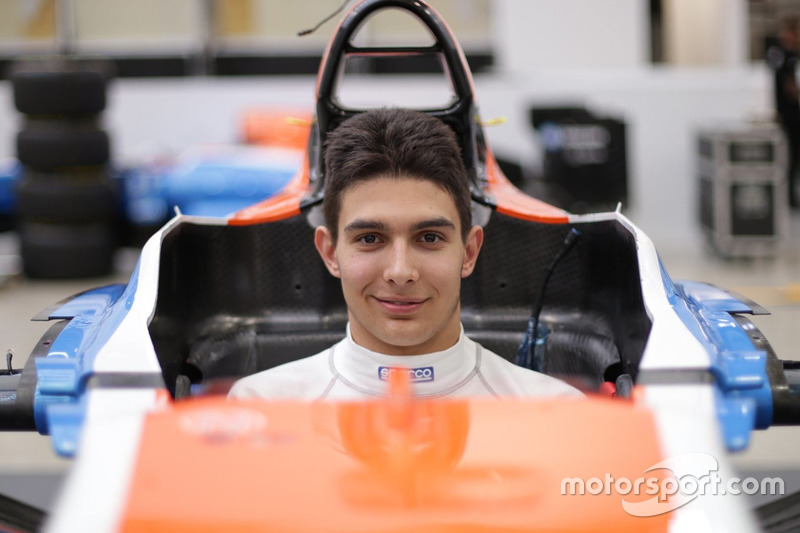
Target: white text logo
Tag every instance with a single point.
(417, 375)
(692, 475)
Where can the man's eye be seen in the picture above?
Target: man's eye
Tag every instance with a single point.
(368, 239)
(431, 238)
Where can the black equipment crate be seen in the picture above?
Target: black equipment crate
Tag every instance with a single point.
(742, 189)
(585, 158)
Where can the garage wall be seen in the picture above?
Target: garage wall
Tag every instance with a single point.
(662, 106)
(571, 34)
(711, 32)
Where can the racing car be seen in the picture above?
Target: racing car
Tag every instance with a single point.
(130, 379)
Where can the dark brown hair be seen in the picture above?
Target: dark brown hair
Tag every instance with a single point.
(398, 143)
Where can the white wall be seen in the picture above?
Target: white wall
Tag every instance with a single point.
(531, 35)
(709, 32)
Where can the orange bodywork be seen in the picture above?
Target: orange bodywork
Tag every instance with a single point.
(395, 464)
(282, 205)
(281, 128)
(515, 203)
(510, 200)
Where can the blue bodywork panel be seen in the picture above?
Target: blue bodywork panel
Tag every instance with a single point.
(212, 185)
(739, 370)
(59, 405)
(215, 185)
(9, 171)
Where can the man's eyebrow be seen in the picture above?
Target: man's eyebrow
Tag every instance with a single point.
(362, 224)
(439, 222)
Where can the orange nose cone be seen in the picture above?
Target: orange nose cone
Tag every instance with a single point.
(399, 402)
(406, 443)
(402, 433)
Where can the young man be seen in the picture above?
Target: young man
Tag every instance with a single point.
(398, 234)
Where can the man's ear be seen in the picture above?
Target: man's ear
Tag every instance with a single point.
(327, 251)
(472, 248)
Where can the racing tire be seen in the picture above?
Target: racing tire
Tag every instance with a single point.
(59, 144)
(63, 251)
(59, 89)
(16, 515)
(66, 198)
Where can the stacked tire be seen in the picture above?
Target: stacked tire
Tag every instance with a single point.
(66, 198)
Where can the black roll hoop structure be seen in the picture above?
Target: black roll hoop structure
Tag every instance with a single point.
(463, 109)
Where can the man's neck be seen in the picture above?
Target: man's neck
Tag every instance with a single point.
(443, 340)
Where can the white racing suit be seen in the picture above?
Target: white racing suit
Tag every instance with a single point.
(348, 371)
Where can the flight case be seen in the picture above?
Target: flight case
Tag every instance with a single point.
(743, 197)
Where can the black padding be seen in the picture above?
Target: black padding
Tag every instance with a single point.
(248, 351)
(219, 282)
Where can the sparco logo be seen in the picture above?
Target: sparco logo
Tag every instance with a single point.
(424, 373)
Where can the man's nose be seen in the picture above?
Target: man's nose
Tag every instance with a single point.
(401, 266)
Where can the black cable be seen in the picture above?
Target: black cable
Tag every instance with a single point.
(525, 348)
(323, 21)
(566, 246)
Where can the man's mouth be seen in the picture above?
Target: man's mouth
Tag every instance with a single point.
(400, 305)
(400, 302)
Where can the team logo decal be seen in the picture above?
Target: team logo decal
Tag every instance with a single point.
(228, 422)
(415, 375)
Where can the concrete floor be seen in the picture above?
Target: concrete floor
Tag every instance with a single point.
(30, 471)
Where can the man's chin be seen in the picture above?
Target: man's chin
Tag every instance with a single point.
(412, 341)
(407, 336)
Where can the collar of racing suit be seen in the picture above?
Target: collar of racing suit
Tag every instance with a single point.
(432, 374)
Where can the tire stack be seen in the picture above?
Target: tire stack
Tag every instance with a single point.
(66, 198)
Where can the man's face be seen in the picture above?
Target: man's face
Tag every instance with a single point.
(401, 257)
